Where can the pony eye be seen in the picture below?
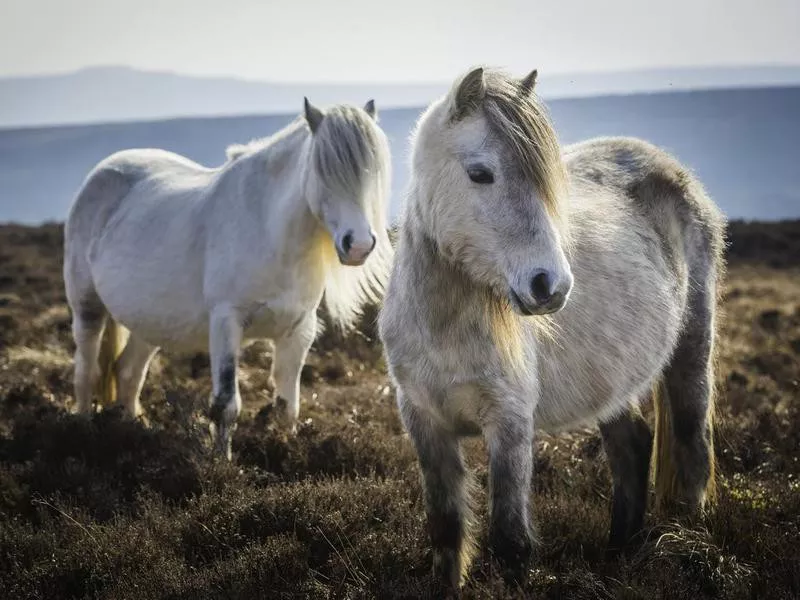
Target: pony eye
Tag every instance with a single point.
(480, 175)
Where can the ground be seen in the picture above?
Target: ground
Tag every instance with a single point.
(107, 508)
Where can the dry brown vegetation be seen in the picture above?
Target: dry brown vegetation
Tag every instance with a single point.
(108, 508)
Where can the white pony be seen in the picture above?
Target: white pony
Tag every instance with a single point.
(189, 258)
(617, 249)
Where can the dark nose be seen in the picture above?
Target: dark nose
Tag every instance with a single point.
(347, 242)
(542, 289)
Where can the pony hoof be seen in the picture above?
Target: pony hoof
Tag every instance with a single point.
(615, 552)
(276, 416)
(139, 417)
(623, 545)
(283, 418)
(84, 413)
(447, 572)
(513, 553)
(221, 442)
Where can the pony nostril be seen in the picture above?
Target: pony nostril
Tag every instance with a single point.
(347, 242)
(540, 287)
(374, 241)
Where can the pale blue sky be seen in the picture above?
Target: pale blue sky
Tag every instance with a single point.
(371, 40)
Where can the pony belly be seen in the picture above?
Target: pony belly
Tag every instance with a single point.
(558, 413)
(596, 387)
(172, 323)
(177, 334)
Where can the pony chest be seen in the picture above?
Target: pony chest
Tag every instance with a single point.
(457, 387)
(465, 407)
(271, 311)
(460, 407)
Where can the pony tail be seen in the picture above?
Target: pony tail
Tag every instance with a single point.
(110, 349)
(664, 473)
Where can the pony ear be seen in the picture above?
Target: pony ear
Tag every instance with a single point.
(528, 83)
(469, 93)
(369, 107)
(314, 115)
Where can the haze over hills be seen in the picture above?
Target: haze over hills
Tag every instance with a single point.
(112, 94)
(743, 144)
(115, 94)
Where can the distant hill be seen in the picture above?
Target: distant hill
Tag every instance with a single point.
(744, 144)
(111, 94)
(115, 94)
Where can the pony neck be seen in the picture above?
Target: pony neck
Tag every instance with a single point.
(432, 269)
(278, 167)
(282, 152)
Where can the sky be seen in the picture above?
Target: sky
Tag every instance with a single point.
(403, 40)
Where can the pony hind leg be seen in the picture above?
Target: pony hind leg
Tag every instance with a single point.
(87, 331)
(290, 354)
(627, 441)
(684, 455)
(132, 367)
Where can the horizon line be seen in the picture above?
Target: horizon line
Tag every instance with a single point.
(403, 82)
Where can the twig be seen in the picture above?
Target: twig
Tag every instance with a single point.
(43, 502)
(345, 561)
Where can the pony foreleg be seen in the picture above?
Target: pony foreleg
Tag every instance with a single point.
(225, 336)
(509, 439)
(288, 359)
(446, 493)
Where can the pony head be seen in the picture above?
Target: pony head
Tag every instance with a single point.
(347, 189)
(491, 186)
(344, 182)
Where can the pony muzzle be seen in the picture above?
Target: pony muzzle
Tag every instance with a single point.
(353, 251)
(543, 293)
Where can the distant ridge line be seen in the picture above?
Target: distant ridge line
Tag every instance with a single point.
(123, 94)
